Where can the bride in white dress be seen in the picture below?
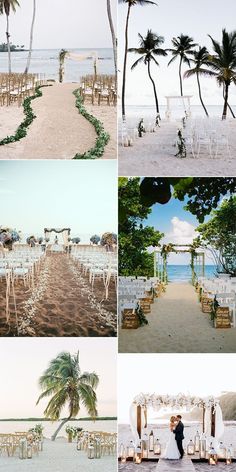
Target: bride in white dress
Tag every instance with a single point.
(172, 451)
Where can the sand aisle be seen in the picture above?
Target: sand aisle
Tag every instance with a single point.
(154, 155)
(58, 132)
(177, 324)
(58, 456)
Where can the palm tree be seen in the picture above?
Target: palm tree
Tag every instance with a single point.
(113, 35)
(5, 7)
(65, 383)
(149, 48)
(223, 64)
(183, 47)
(131, 3)
(62, 55)
(31, 38)
(201, 59)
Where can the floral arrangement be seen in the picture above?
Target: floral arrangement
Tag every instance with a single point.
(8, 236)
(73, 431)
(95, 239)
(75, 240)
(179, 401)
(108, 239)
(182, 152)
(103, 137)
(37, 430)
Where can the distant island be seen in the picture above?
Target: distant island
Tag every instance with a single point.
(13, 47)
(100, 418)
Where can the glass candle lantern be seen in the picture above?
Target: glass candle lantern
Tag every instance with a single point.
(138, 456)
(98, 449)
(91, 451)
(228, 456)
(29, 451)
(190, 448)
(197, 442)
(122, 454)
(22, 449)
(157, 447)
(202, 449)
(79, 445)
(144, 446)
(213, 459)
(131, 449)
(151, 441)
(222, 451)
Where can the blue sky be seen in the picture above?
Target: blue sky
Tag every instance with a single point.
(171, 18)
(39, 194)
(177, 224)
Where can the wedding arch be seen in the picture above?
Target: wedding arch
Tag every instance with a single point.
(65, 233)
(161, 260)
(212, 419)
(170, 98)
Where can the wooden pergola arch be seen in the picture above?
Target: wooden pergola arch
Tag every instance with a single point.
(161, 256)
(180, 401)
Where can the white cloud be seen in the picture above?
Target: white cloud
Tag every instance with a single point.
(182, 232)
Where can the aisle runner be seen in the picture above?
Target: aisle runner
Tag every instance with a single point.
(183, 465)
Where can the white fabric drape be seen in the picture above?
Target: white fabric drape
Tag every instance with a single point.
(133, 422)
(219, 430)
(65, 236)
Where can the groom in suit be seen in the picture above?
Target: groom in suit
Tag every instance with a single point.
(179, 435)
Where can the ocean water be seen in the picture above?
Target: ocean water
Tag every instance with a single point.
(110, 426)
(177, 112)
(45, 61)
(183, 273)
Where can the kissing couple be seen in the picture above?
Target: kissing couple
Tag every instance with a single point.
(174, 448)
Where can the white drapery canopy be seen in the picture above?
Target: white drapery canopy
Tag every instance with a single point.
(65, 233)
(178, 402)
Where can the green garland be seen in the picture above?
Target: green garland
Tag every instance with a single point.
(103, 137)
(21, 131)
(182, 152)
(141, 316)
(213, 313)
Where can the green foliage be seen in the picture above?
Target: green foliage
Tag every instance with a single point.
(103, 137)
(181, 146)
(73, 431)
(37, 430)
(134, 238)
(219, 234)
(214, 306)
(21, 131)
(141, 316)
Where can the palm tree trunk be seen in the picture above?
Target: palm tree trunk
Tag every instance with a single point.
(229, 107)
(200, 95)
(59, 428)
(8, 45)
(225, 102)
(113, 35)
(31, 38)
(125, 62)
(180, 77)
(154, 88)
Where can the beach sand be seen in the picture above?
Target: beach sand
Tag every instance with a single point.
(58, 132)
(66, 306)
(108, 116)
(154, 155)
(177, 324)
(58, 456)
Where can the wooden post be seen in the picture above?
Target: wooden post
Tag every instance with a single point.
(203, 418)
(155, 264)
(203, 264)
(139, 420)
(213, 421)
(145, 416)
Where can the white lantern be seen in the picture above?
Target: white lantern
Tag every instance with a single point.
(22, 449)
(228, 456)
(122, 454)
(222, 451)
(190, 448)
(202, 448)
(138, 456)
(131, 449)
(151, 441)
(197, 442)
(90, 451)
(29, 451)
(213, 459)
(144, 446)
(157, 447)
